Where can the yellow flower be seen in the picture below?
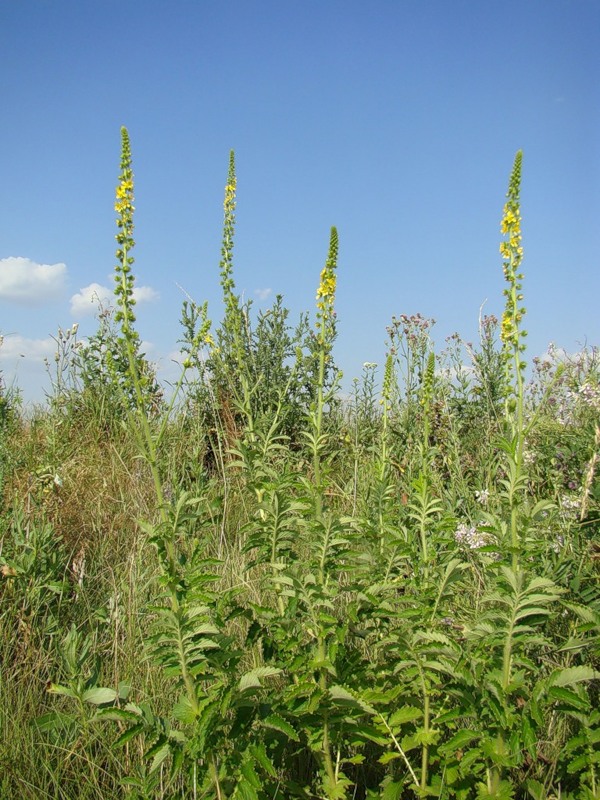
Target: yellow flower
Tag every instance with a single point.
(327, 285)
(124, 188)
(229, 202)
(511, 221)
(507, 328)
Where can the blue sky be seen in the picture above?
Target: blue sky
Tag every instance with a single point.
(395, 120)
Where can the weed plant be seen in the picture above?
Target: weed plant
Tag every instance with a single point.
(255, 589)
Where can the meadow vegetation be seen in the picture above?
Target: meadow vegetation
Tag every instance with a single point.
(254, 586)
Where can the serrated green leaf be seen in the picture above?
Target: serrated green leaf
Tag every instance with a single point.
(404, 714)
(359, 759)
(393, 790)
(244, 791)
(177, 762)
(129, 734)
(409, 743)
(594, 737)
(449, 716)
(470, 757)
(584, 613)
(56, 688)
(135, 709)
(458, 741)
(572, 675)
(536, 789)
(124, 690)
(387, 757)
(372, 733)
(569, 698)
(259, 753)
(118, 714)
(578, 764)
(249, 774)
(205, 629)
(252, 679)
(338, 692)
(159, 756)
(542, 505)
(531, 611)
(279, 724)
(99, 695)
(342, 696)
(183, 711)
(529, 735)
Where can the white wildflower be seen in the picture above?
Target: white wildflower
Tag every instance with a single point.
(589, 395)
(570, 506)
(483, 496)
(470, 536)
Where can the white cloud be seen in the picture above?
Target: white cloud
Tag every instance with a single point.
(16, 346)
(149, 349)
(176, 357)
(23, 281)
(88, 299)
(145, 294)
(262, 294)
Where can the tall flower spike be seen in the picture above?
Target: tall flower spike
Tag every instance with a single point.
(427, 396)
(511, 334)
(226, 265)
(388, 378)
(124, 208)
(326, 295)
(231, 336)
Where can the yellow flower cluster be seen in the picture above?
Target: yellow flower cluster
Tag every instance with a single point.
(124, 194)
(124, 277)
(507, 329)
(511, 333)
(326, 298)
(511, 318)
(124, 188)
(326, 290)
(512, 253)
(124, 205)
(229, 202)
(512, 218)
(511, 227)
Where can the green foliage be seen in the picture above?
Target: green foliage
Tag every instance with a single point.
(101, 368)
(511, 332)
(35, 581)
(393, 597)
(9, 405)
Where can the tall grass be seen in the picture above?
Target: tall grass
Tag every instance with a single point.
(258, 589)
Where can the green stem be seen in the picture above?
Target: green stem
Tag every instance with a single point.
(323, 684)
(425, 751)
(507, 661)
(318, 427)
(383, 477)
(423, 522)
